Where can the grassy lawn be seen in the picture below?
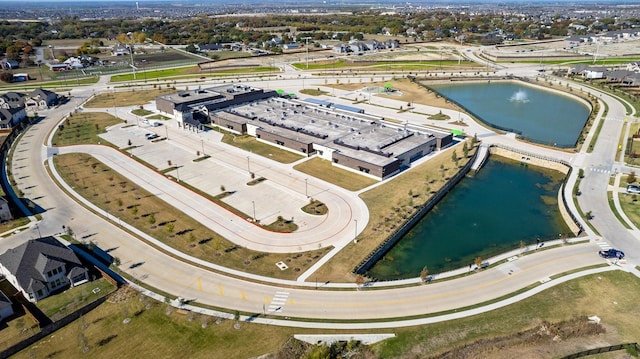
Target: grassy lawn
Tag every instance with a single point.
(141, 112)
(165, 333)
(158, 117)
(313, 92)
(250, 144)
(316, 208)
(224, 55)
(613, 209)
(389, 205)
(384, 65)
(61, 304)
(633, 145)
(113, 192)
(189, 72)
(155, 74)
(325, 170)
(129, 98)
(83, 128)
(15, 223)
(630, 205)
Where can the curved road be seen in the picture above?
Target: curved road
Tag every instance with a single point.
(188, 281)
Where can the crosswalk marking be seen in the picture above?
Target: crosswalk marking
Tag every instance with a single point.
(599, 170)
(278, 301)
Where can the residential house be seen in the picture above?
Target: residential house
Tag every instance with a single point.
(9, 117)
(120, 50)
(74, 63)
(6, 308)
(617, 76)
(341, 49)
(8, 64)
(5, 212)
(40, 267)
(58, 67)
(209, 47)
(12, 99)
(40, 99)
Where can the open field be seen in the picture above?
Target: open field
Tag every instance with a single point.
(128, 98)
(125, 201)
(389, 206)
(164, 332)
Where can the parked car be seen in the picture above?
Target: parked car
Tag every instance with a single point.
(633, 189)
(611, 253)
(151, 136)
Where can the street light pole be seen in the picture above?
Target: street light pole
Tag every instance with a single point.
(202, 142)
(355, 237)
(306, 187)
(38, 229)
(254, 210)
(248, 164)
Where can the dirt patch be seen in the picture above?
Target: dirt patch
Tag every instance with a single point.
(545, 340)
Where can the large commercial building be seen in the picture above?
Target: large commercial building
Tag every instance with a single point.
(341, 134)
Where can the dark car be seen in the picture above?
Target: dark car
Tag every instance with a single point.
(151, 136)
(612, 253)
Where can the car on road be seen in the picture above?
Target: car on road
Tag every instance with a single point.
(611, 253)
(151, 136)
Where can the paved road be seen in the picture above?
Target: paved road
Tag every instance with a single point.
(188, 281)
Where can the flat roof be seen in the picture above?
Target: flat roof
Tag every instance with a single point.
(209, 95)
(354, 136)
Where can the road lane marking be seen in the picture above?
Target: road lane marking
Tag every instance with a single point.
(220, 290)
(199, 284)
(244, 297)
(447, 294)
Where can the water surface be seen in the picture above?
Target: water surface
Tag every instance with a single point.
(484, 215)
(540, 116)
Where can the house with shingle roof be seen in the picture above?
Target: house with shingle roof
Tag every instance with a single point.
(40, 99)
(10, 117)
(12, 99)
(41, 267)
